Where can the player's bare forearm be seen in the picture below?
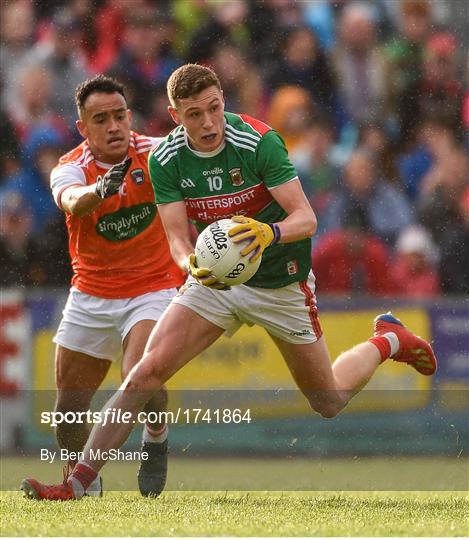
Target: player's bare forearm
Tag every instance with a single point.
(298, 225)
(301, 221)
(80, 200)
(180, 251)
(174, 218)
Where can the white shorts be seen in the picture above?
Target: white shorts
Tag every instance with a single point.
(98, 326)
(289, 313)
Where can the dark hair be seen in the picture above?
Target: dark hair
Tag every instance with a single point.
(99, 83)
(356, 217)
(189, 80)
(323, 122)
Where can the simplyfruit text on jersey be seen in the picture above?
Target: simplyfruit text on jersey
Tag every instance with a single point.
(120, 249)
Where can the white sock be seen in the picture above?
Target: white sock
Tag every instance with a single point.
(393, 342)
(77, 487)
(95, 486)
(160, 438)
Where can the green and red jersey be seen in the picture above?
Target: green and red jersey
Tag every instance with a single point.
(233, 180)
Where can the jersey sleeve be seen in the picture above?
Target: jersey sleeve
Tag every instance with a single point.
(273, 164)
(164, 180)
(64, 176)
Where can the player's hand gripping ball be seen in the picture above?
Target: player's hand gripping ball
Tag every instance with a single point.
(110, 183)
(220, 255)
(204, 276)
(258, 236)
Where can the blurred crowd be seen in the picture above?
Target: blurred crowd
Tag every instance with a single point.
(371, 98)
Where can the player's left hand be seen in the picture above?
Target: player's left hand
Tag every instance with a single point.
(260, 236)
(110, 183)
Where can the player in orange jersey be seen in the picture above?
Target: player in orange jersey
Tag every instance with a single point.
(123, 273)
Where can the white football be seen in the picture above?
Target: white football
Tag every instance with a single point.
(217, 251)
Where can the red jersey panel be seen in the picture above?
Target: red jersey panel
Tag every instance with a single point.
(120, 249)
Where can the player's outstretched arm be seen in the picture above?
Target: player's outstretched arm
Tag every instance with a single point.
(81, 200)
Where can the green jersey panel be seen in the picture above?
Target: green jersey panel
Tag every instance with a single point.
(233, 181)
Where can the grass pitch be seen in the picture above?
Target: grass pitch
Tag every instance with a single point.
(237, 513)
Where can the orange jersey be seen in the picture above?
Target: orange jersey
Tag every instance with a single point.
(120, 249)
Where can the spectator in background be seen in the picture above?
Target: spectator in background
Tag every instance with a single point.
(465, 111)
(454, 262)
(50, 259)
(268, 22)
(352, 260)
(290, 113)
(27, 259)
(373, 137)
(103, 28)
(145, 59)
(302, 63)
(61, 56)
(242, 86)
(188, 16)
(15, 240)
(435, 139)
(386, 209)
(226, 23)
(10, 163)
(16, 38)
(414, 268)
(439, 202)
(441, 143)
(441, 92)
(359, 65)
(312, 159)
(32, 110)
(322, 14)
(40, 154)
(319, 15)
(404, 57)
(158, 122)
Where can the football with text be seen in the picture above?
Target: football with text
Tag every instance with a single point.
(216, 251)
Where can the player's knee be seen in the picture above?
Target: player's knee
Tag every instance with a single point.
(129, 364)
(329, 412)
(142, 377)
(326, 409)
(72, 401)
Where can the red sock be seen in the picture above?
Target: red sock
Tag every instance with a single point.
(383, 346)
(155, 432)
(84, 474)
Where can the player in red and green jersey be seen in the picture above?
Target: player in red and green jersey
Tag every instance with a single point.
(234, 180)
(218, 165)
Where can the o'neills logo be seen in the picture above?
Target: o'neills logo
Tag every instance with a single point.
(126, 223)
(219, 236)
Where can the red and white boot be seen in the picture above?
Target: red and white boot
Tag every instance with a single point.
(412, 349)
